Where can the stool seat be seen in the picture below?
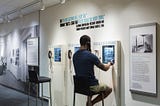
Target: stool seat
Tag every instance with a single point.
(42, 79)
(82, 86)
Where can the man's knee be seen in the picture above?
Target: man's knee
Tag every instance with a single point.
(107, 92)
(110, 90)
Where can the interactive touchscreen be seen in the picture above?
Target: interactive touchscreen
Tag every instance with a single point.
(57, 54)
(76, 49)
(108, 53)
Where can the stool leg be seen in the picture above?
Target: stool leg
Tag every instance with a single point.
(28, 92)
(74, 95)
(102, 99)
(42, 94)
(37, 93)
(89, 101)
(50, 93)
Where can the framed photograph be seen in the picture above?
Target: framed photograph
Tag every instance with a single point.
(143, 74)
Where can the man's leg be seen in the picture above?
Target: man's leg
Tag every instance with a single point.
(89, 101)
(99, 97)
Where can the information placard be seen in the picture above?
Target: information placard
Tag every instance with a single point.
(32, 51)
(143, 59)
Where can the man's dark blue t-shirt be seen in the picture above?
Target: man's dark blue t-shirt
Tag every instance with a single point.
(84, 62)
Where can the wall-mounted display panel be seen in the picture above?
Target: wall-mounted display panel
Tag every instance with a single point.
(76, 49)
(57, 54)
(143, 78)
(110, 51)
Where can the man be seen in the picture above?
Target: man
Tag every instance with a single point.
(84, 62)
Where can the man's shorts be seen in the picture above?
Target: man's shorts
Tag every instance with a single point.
(98, 88)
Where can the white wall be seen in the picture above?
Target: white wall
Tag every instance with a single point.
(119, 14)
(2, 46)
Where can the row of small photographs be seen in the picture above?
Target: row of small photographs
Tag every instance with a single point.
(60, 20)
(14, 61)
(91, 23)
(90, 27)
(68, 23)
(79, 25)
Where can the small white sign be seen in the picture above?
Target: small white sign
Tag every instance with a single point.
(32, 51)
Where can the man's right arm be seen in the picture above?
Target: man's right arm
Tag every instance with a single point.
(104, 67)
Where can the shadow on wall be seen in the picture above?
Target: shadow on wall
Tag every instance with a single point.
(151, 99)
(122, 84)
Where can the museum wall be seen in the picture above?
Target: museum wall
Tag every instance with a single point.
(13, 46)
(2, 46)
(118, 16)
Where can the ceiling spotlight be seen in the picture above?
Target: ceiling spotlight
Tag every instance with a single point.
(20, 14)
(62, 1)
(1, 20)
(8, 20)
(42, 5)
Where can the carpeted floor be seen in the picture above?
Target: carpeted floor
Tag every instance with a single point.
(10, 97)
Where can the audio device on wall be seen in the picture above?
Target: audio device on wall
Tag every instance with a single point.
(69, 54)
(50, 57)
(49, 54)
(89, 46)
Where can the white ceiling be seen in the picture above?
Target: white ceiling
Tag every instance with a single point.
(7, 6)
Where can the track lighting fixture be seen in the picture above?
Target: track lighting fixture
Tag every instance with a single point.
(7, 19)
(62, 1)
(17, 11)
(42, 5)
(1, 19)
